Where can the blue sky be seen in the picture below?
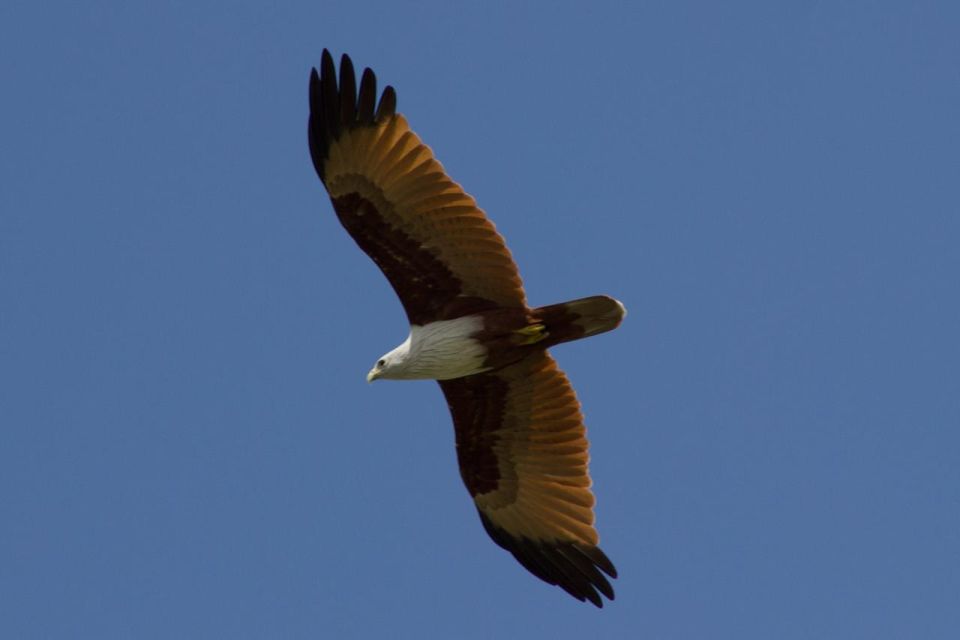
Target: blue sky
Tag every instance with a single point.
(189, 448)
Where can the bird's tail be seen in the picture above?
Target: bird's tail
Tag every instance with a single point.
(578, 319)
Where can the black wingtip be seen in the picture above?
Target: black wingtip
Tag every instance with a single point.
(368, 96)
(388, 104)
(337, 106)
(348, 92)
(576, 568)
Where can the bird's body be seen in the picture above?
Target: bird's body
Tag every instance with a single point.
(479, 342)
(520, 440)
(438, 350)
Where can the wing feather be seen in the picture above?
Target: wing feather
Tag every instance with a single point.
(522, 450)
(433, 243)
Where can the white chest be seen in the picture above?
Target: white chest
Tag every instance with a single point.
(444, 349)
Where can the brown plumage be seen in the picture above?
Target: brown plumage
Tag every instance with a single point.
(437, 249)
(521, 443)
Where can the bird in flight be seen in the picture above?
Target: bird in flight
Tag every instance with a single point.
(520, 440)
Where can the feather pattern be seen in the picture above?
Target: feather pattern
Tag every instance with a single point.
(520, 440)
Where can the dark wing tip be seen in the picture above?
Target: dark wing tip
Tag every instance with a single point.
(574, 567)
(368, 96)
(388, 104)
(336, 107)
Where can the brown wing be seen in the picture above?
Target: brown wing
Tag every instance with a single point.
(522, 449)
(441, 254)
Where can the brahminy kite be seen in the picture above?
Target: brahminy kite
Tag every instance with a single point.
(520, 440)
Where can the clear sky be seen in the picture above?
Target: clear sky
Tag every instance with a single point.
(188, 447)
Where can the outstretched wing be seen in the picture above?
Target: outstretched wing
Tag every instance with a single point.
(522, 449)
(439, 251)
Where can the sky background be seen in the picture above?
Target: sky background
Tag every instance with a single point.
(188, 447)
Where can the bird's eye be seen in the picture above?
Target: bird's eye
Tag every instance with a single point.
(380, 363)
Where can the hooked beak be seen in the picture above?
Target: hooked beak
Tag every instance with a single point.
(373, 375)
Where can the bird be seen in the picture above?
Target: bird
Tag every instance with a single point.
(520, 438)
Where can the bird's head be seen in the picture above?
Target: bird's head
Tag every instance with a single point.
(392, 364)
(378, 369)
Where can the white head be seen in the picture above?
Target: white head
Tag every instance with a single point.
(391, 365)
